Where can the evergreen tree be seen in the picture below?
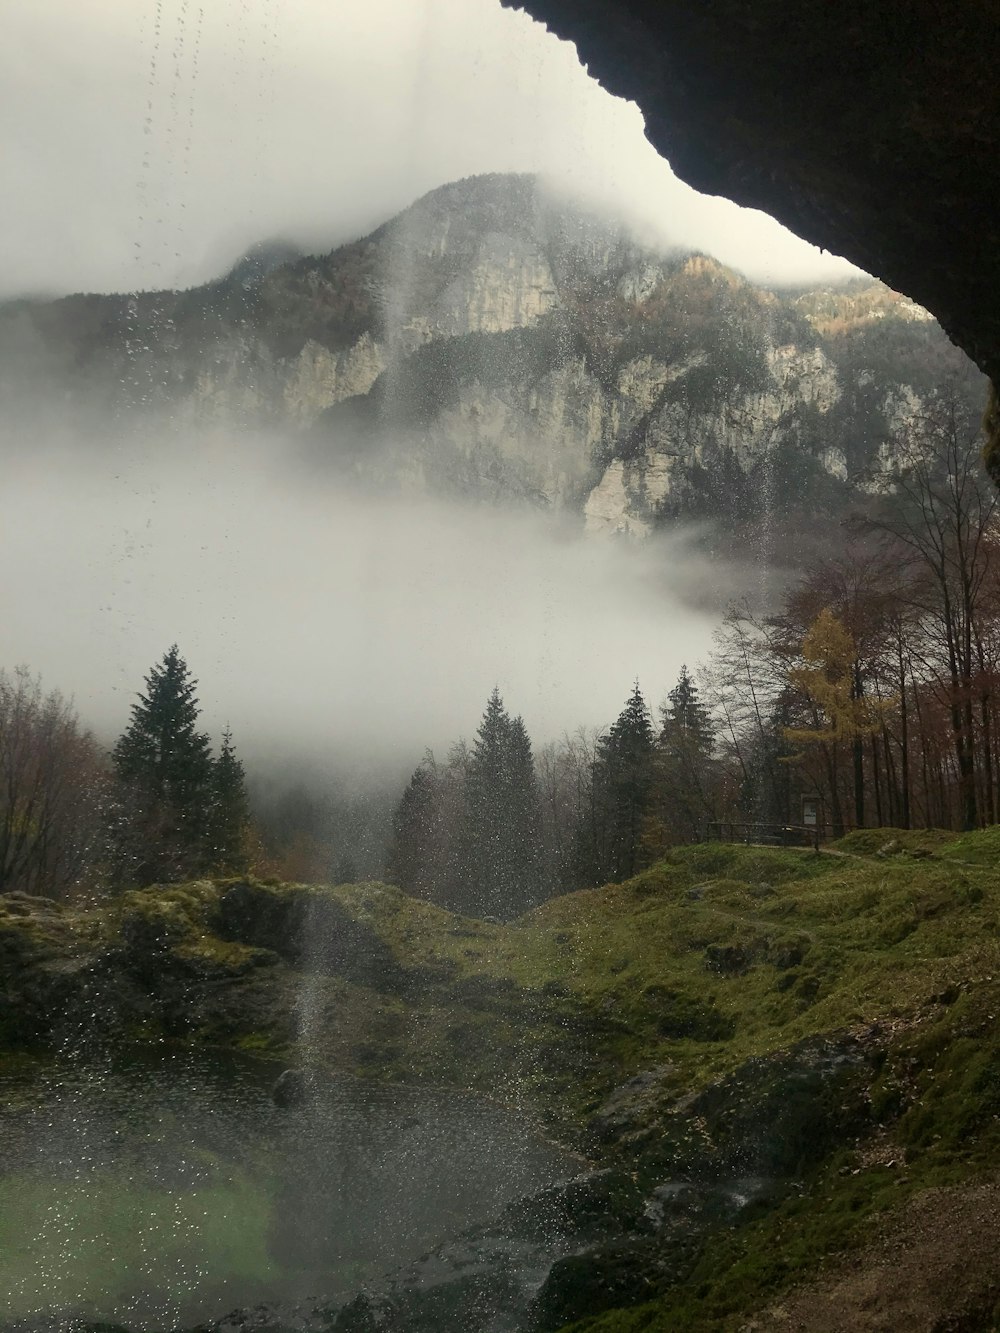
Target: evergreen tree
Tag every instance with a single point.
(621, 790)
(684, 766)
(415, 860)
(229, 813)
(500, 859)
(164, 768)
(686, 723)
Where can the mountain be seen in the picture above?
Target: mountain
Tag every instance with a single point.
(495, 341)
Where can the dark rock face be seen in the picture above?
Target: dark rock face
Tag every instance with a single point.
(67, 984)
(310, 930)
(872, 130)
(52, 987)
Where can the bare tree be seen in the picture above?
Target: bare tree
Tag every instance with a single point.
(941, 509)
(52, 781)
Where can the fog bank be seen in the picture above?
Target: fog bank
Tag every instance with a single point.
(329, 627)
(149, 146)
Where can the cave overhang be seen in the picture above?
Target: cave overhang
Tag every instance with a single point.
(872, 130)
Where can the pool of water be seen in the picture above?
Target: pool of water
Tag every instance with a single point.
(167, 1188)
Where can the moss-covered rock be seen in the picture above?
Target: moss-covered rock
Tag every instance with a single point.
(746, 1118)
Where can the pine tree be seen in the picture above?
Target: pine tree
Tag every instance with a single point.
(227, 847)
(164, 768)
(684, 765)
(621, 790)
(500, 860)
(415, 860)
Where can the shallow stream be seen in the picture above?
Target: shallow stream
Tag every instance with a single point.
(167, 1188)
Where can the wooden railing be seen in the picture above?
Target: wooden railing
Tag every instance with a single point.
(773, 835)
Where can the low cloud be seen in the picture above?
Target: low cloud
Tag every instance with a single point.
(148, 147)
(340, 629)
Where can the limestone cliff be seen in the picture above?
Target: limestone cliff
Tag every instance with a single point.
(495, 342)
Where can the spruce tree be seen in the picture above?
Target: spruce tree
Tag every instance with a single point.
(621, 791)
(500, 862)
(415, 860)
(164, 768)
(684, 769)
(227, 850)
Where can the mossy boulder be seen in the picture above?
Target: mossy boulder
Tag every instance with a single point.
(774, 1116)
(311, 929)
(622, 1273)
(587, 1207)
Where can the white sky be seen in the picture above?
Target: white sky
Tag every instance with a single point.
(148, 143)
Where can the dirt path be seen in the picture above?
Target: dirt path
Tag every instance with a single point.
(860, 856)
(934, 1269)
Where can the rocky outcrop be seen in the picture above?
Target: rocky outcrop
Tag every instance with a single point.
(873, 132)
(753, 1094)
(311, 931)
(624, 1234)
(495, 343)
(317, 378)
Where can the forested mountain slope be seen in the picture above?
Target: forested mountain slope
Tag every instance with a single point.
(495, 342)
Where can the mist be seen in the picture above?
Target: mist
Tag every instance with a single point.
(330, 627)
(148, 148)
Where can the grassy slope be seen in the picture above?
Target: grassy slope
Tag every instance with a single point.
(908, 941)
(715, 955)
(771, 947)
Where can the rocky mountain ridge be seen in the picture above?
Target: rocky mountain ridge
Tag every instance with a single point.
(495, 342)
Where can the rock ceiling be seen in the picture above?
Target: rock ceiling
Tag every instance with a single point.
(871, 129)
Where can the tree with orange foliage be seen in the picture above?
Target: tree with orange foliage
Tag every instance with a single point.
(839, 714)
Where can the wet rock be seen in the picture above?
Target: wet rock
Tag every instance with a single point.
(615, 1275)
(682, 1016)
(587, 1207)
(629, 1104)
(28, 904)
(272, 1319)
(779, 1115)
(729, 960)
(787, 955)
(312, 930)
(611, 1238)
(61, 1323)
(150, 929)
(292, 1087)
(473, 1301)
(56, 985)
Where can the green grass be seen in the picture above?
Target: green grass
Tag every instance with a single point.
(826, 943)
(908, 942)
(717, 954)
(938, 1098)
